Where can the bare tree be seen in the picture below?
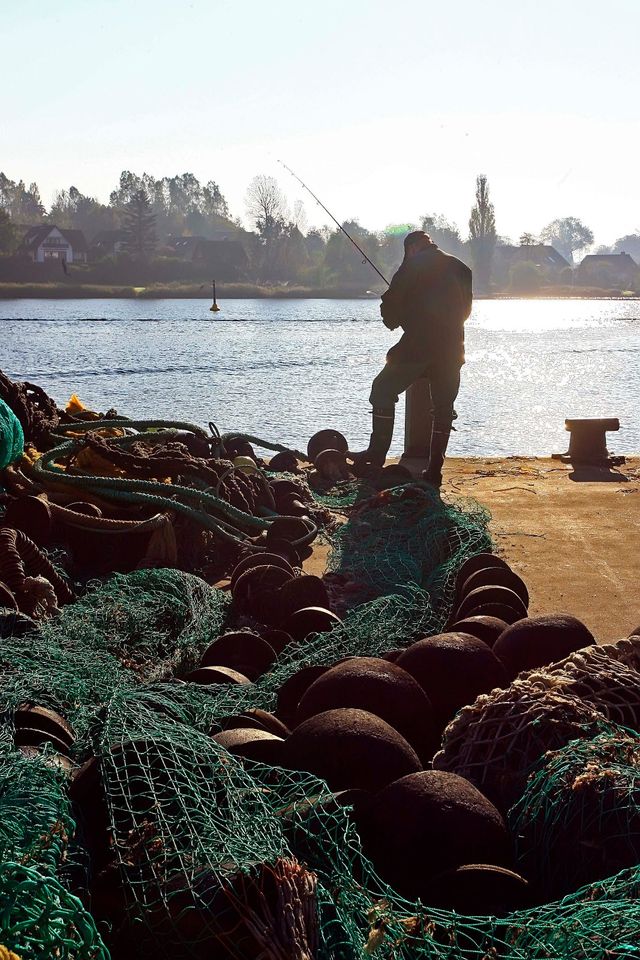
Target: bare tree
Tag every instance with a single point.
(299, 218)
(265, 202)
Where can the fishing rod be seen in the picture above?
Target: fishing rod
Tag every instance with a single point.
(338, 225)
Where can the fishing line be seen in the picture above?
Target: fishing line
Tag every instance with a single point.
(338, 225)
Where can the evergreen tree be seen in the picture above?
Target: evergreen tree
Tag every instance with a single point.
(23, 205)
(139, 226)
(482, 235)
(8, 235)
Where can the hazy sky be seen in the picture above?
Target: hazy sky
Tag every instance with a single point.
(387, 110)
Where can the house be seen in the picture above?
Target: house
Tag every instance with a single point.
(542, 255)
(46, 243)
(186, 248)
(107, 243)
(608, 269)
(222, 259)
(189, 248)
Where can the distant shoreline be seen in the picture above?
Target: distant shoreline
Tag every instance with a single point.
(249, 291)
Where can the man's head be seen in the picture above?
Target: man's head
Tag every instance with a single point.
(416, 242)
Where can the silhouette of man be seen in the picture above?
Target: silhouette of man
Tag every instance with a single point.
(429, 298)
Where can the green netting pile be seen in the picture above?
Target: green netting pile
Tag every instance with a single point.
(179, 849)
(142, 625)
(154, 622)
(407, 535)
(205, 845)
(35, 810)
(578, 821)
(11, 436)
(41, 920)
(185, 842)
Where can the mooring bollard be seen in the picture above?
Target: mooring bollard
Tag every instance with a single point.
(588, 442)
(417, 427)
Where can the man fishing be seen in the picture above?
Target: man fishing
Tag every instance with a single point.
(430, 298)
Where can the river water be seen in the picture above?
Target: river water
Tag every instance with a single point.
(283, 369)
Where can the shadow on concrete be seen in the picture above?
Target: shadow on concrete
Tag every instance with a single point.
(585, 473)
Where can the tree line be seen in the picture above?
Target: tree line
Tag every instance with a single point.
(281, 247)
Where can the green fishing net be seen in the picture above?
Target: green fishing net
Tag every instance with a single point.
(35, 809)
(578, 821)
(137, 626)
(407, 535)
(180, 835)
(41, 920)
(154, 622)
(199, 837)
(179, 849)
(11, 436)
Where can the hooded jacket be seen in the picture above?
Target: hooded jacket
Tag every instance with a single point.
(430, 298)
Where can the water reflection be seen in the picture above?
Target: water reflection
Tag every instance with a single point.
(295, 365)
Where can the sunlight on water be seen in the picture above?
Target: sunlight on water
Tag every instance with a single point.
(285, 368)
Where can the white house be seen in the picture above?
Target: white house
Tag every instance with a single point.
(43, 244)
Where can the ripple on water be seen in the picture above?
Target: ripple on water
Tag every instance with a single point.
(287, 367)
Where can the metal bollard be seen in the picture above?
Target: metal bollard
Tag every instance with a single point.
(417, 427)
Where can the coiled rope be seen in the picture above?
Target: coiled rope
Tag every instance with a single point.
(228, 523)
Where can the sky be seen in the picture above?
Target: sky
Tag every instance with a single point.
(387, 110)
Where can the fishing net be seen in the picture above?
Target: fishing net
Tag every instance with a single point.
(496, 741)
(144, 625)
(155, 622)
(407, 535)
(187, 850)
(579, 818)
(35, 810)
(606, 677)
(40, 919)
(11, 436)
(180, 849)
(202, 845)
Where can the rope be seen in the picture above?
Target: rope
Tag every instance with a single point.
(229, 437)
(45, 467)
(83, 426)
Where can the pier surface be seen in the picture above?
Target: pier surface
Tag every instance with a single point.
(572, 534)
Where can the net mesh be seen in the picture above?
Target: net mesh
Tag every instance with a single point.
(40, 919)
(35, 810)
(586, 798)
(142, 626)
(407, 535)
(190, 853)
(179, 849)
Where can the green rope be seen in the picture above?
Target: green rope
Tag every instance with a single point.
(86, 426)
(45, 469)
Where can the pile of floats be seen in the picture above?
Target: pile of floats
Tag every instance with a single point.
(430, 747)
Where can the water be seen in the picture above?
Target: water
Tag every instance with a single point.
(282, 369)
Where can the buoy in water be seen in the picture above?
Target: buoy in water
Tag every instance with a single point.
(214, 308)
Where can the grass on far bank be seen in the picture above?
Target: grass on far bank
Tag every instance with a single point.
(247, 291)
(63, 291)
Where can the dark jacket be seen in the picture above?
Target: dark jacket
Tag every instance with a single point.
(430, 298)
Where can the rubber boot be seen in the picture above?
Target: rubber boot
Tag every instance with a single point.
(379, 442)
(438, 447)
